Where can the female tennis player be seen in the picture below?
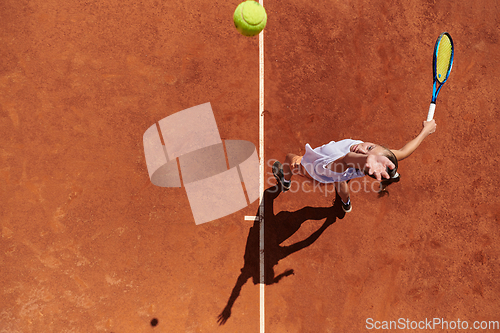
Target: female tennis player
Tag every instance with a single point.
(338, 162)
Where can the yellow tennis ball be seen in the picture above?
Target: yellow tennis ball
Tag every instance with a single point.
(250, 18)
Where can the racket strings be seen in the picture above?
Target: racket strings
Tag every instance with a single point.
(443, 59)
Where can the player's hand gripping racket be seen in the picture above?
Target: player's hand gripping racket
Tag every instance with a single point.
(441, 67)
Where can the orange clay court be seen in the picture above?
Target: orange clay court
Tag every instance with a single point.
(89, 244)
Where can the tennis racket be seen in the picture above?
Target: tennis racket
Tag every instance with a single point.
(441, 67)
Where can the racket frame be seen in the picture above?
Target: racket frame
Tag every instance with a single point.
(436, 87)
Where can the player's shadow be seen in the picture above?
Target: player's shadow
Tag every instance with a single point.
(277, 228)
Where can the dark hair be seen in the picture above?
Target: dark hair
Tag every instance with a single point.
(393, 174)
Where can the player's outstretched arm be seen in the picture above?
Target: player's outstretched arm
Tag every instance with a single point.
(409, 148)
(370, 164)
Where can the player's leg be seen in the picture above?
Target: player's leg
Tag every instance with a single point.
(343, 191)
(291, 165)
(284, 172)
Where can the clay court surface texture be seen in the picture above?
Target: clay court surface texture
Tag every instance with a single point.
(89, 244)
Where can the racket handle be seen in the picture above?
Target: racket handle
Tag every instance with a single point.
(430, 114)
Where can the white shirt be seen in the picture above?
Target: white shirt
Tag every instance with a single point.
(316, 161)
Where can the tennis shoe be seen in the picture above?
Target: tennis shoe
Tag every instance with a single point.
(280, 177)
(346, 207)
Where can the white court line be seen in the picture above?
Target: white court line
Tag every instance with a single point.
(251, 218)
(261, 175)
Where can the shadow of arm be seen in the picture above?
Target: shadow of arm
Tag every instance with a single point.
(226, 313)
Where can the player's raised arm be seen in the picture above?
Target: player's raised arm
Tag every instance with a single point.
(409, 148)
